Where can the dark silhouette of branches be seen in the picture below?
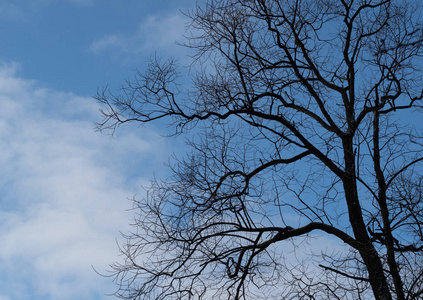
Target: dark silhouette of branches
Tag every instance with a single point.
(302, 113)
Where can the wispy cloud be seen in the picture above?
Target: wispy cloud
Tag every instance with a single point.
(108, 41)
(155, 33)
(63, 190)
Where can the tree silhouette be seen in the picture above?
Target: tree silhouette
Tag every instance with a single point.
(303, 120)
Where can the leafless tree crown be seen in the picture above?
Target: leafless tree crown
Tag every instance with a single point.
(305, 116)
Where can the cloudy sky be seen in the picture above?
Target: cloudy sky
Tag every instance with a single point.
(64, 188)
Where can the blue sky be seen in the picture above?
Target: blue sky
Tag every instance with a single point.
(71, 45)
(64, 187)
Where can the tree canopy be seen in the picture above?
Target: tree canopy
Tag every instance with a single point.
(306, 121)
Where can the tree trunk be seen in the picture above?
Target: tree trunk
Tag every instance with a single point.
(367, 251)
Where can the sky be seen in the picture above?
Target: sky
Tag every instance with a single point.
(64, 188)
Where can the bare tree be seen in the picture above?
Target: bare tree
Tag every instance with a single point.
(301, 119)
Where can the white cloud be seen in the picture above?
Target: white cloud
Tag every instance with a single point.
(63, 191)
(104, 43)
(153, 34)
